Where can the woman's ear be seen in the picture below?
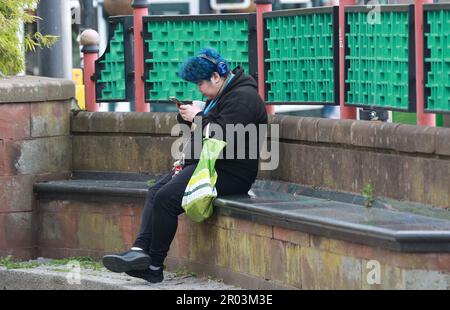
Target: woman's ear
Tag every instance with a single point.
(215, 78)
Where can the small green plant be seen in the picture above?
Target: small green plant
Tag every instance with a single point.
(9, 263)
(12, 14)
(185, 272)
(211, 278)
(85, 263)
(368, 194)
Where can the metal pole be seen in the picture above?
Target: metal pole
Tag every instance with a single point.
(261, 7)
(140, 9)
(56, 20)
(89, 40)
(204, 7)
(88, 15)
(424, 119)
(346, 112)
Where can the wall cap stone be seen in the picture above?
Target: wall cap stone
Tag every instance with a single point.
(20, 89)
(368, 134)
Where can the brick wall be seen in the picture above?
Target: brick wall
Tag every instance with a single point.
(126, 142)
(402, 162)
(35, 144)
(399, 161)
(243, 253)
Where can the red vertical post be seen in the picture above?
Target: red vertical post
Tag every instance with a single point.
(140, 9)
(89, 40)
(261, 7)
(346, 112)
(424, 119)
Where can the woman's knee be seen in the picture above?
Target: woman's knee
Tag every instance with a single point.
(168, 202)
(160, 197)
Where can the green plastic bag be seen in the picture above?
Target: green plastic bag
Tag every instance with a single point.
(201, 190)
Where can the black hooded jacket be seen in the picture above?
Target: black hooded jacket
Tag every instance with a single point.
(240, 103)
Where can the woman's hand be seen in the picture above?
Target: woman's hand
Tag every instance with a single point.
(188, 112)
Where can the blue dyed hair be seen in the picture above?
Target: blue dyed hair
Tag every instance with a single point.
(196, 69)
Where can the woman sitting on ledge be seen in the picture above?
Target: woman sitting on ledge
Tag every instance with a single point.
(232, 99)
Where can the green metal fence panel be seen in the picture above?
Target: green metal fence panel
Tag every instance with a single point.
(380, 57)
(411, 118)
(168, 41)
(437, 57)
(114, 81)
(302, 56)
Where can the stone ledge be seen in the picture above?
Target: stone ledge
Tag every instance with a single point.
(34, 89)
(323, 213)
(393, 238)
(376, 135)
(55, 278)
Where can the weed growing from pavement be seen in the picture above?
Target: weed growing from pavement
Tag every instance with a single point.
(184, 272)
(9, 263)
(368, 193)
(85, 262)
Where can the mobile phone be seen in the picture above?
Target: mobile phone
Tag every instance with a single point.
(176, 101)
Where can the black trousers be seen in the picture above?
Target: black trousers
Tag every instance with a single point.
(163, 205)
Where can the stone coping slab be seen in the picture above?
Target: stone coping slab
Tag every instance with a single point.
(29, 89)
